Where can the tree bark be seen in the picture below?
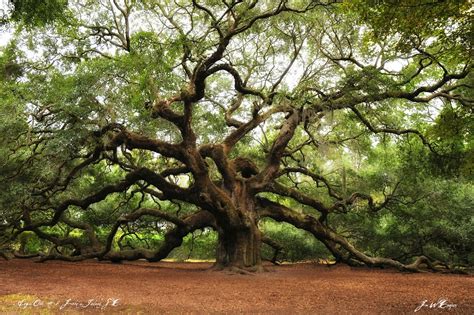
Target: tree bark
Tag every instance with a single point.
(239, 248)
(239, 238)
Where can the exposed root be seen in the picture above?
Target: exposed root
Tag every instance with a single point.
(232, 269)
(273, 261)
(239, 271)
(6, 255)
(25, 256)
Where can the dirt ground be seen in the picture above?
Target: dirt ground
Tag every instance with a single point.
(27, 287)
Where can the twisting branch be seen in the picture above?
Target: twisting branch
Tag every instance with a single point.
(169, 190)
(304, 199)
(276, 152)
(391, 130)
(133, 140)
(231, 140)
(314, 176)
(239, 84)
(370, 201)
(334, 242)
(173, 239)
(277, 248)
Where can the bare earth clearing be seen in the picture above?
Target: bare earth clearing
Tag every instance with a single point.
(143, 288)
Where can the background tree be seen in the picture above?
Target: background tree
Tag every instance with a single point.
(128, 117)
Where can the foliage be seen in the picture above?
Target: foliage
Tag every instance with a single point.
(37, 12)
(297, 245)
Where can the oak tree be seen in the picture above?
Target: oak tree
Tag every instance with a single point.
(193, 114)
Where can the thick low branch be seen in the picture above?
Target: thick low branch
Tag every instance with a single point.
(87, 228)
(169, 190)
(173, 239)
(330, 238)
(277, 248)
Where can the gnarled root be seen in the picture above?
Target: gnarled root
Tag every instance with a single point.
(5, 254)
(241, 270)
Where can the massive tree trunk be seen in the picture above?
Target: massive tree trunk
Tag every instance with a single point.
(239, 247)
(239, 241)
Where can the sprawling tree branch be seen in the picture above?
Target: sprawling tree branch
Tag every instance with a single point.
(329, 237)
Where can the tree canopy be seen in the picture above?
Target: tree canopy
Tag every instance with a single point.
(349, 120)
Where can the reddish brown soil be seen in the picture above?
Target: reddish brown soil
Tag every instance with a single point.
(188, 288)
